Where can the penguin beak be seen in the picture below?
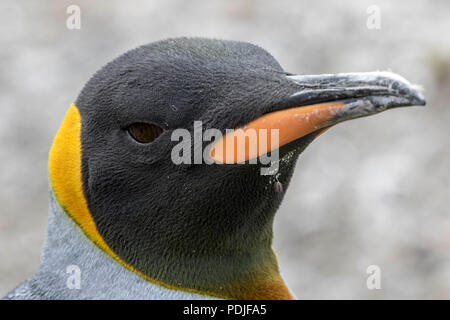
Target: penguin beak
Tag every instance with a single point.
(320, 102)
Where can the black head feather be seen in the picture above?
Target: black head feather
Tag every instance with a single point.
(198, 226)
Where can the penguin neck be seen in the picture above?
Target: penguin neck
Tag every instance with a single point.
(224, 266)
(68, 248)
(73, 267)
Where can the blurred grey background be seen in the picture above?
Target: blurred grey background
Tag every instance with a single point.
(372, 191)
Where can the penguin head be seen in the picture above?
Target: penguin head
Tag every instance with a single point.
(196, 226)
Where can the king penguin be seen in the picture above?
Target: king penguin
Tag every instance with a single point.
(127, 222)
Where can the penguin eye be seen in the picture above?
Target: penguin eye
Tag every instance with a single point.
(144, 132)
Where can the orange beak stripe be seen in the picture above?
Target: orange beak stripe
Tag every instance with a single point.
(260, 135)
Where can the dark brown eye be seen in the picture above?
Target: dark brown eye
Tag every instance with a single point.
(144, 132)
